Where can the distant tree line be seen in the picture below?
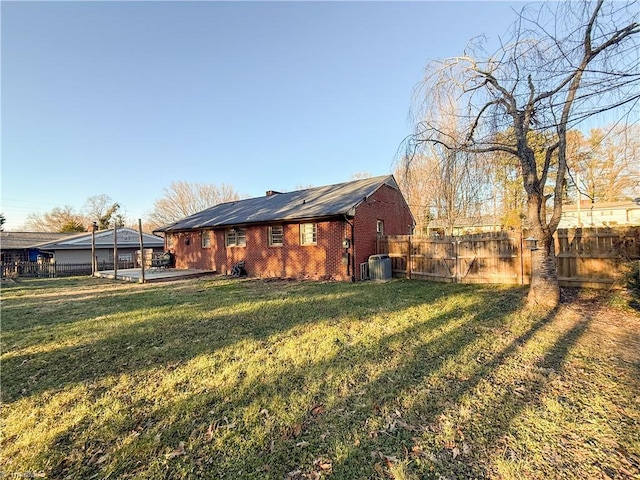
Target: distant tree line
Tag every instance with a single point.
(179, 200)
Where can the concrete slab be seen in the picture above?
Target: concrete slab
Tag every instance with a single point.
(153, 275)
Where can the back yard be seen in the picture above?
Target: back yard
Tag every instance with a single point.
(213, 378)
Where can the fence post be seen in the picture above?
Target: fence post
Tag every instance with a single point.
(521, 258)
(456, 260)
(408, 272)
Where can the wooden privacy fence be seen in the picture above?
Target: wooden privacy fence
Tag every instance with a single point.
(586, 257)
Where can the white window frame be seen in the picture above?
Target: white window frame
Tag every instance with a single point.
(236, 237)
(276, 238)
(380, 227)
(308, 234)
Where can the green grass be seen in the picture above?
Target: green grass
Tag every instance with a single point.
(217, 378)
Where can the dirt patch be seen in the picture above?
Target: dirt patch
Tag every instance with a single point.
(617, 325)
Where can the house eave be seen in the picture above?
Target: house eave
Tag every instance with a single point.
(323, 218)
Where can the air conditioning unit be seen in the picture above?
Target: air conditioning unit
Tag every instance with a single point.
(380, 267)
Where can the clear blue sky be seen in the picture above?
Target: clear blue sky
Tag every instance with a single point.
(122, 98)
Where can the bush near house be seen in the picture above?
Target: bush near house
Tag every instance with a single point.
(219, 378)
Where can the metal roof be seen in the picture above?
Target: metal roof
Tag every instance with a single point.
(127, 238)
(312, 203)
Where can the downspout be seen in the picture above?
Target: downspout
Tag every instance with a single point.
(353, 250)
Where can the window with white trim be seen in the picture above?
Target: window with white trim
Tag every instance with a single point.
(205, 238)
(276, 236)
(380, 227)
(236, 237)
(308, 234)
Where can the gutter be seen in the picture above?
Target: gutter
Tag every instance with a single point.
(353, 249)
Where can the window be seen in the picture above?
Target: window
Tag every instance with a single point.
(308, 234)
(276, 233)
(206, 238)
(380, 227)
(236, 237)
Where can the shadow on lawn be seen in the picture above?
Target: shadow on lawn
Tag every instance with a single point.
(360, 388)
(358, 430)
(171, 329)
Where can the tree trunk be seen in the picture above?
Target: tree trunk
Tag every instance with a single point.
(544, 289)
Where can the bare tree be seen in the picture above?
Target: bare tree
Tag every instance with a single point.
(361, 175)
(59, 219)
(605, 165)
(564, 63)
(101, 209)
(440, 188)
(182, 199)
(443, 184)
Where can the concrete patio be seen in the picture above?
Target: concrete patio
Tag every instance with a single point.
(153, 274)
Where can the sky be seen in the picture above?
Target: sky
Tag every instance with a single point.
(122, 98)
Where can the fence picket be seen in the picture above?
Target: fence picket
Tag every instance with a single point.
(53, 269)
(586, 257)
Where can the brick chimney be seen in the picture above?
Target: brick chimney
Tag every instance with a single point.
(271, 193)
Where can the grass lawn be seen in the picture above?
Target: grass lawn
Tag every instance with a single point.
(234, 379)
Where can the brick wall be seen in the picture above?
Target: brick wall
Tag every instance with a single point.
(292, 260)
(388, 205)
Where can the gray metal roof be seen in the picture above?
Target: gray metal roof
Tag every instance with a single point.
(127, 238)
(313, 203)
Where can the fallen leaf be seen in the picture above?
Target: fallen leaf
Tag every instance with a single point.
(302, 444)
(317, 410)
(406, 426)
(455, 452)
(466, 449)
(390, 460)
(323, 464)
(177, 452)
(209, 434)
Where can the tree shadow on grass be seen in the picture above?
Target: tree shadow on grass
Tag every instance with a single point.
(358, 387)
(140, 331)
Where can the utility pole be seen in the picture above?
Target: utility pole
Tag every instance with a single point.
(141, 252)
(115, 250)
(94, 267)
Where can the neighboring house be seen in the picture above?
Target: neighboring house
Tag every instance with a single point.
(604, 214)
(77, 248)
(18, 246)
(320, 233)
(465, 226)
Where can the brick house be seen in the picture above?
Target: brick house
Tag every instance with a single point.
(320, 233)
